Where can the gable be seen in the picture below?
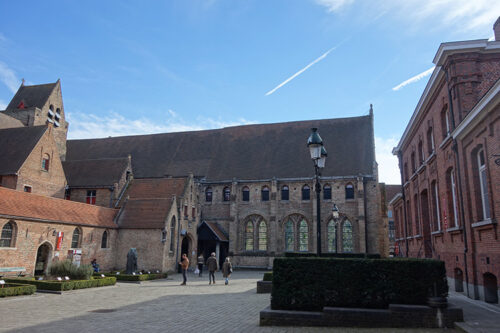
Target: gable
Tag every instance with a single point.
(32, 96)
(16, 144)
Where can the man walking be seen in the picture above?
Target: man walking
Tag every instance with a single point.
(212, 267)
(184, 266)
(201, 261)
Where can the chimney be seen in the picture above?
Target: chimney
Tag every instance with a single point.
(496, 29)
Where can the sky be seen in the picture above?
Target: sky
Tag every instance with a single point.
(140, 67)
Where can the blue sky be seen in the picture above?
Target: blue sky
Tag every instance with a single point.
(136, 67)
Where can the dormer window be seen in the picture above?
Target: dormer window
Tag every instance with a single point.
(45, 162)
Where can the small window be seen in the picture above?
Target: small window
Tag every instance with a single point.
(75, 240)
(193, 212)
(7, 235)
(306, 193)
(67, 194)
(327, 192)
(245, 194)
(285, 193)
(265, 193)
(27, 189)
(185, 212)
(208, 194)
(104, 240)
(45, 162)
(226, 194)
(349, 191)
(91, 194)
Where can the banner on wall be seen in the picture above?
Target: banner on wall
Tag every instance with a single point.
(60, 236)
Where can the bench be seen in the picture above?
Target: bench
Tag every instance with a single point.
(21, 271)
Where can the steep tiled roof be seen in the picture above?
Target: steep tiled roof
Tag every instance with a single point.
(242, 152)
(217, 231)
(15, 146)
(391, 191)
(102, 172)
(29, 205)
(32, 96)
(149, 203)
(9, 122)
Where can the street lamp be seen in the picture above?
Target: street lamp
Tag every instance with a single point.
(318, 155)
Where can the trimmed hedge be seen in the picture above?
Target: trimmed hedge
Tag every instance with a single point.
(137, 277)
(14, 289)
(68, 285)
(268, 276)
(332, 255)
(309, 284)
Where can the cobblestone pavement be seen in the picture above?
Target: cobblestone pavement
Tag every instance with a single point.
(153, 306)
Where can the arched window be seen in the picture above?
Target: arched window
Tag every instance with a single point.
(285, 193)
(445, 122)
(430, 141)
(249, 236)
(262, 236)
(104, 240)
(306, 193)
(327, 192)
(417, 216)
(226, 194)
(452, 198)
(265, 193)
(172, 234)
(289, 236)
(303, 236)
(483, 183)
(50, 114)
(435, 211)
(75, 240)
(349, 191)
(421, 155)
(45, 162)
(208, 194)
(347, 237)
(413, 162)
(6, 238)
(245, 194)
(332, 236)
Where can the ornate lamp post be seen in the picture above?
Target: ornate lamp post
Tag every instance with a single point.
(318, 155)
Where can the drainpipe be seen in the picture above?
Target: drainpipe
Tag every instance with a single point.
(400, 158)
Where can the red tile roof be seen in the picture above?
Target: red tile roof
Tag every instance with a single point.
(29, 205)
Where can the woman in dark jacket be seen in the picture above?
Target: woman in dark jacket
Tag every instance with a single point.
(227, 269)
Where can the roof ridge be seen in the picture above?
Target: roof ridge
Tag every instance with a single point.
(98, 159)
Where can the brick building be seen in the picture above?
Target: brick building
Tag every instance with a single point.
(244, 191)
(449, 160)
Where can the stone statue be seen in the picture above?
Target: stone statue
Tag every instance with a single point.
(131, 261)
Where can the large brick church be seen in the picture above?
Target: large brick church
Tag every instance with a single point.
(245, 191)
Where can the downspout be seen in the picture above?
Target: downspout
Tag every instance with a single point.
(459, 176)
(178, 235)
(400, 158)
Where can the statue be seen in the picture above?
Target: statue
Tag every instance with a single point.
(131, 261)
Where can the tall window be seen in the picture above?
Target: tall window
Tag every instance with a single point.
(421, 155)
(265, 193)
(226, 194)
(483, 184)
(91, 194)
(417, 219)
(452, 197)
(327, 192)
(285, 193)
(45, 162)
(347, 244)
(249, 236)
(303, 236)
(75, 240)
(349, 191)
(406, 171)
(104, 240)
(430, 141)
(262, 236)
(409, 218)
(435, 211)
(413, 163)
(245, 194)
(445, 123)
(332, 236)
(172, 234)
(306, 193)
(7, 235)
(289, 236)
(208, 194)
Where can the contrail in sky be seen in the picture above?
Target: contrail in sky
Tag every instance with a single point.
(416, 78)
(323, 56)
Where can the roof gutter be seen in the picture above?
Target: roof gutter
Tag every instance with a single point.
(34, 219)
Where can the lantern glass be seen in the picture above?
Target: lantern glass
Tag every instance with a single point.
(335, 212)
(321, 162)
(315, 150)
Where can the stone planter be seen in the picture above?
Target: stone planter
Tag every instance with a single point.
(264, 287)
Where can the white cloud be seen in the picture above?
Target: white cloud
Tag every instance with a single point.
(323, 56)
(414, 79)
(3, 105)
(334, 5)
(85, 126)
(388, 169)
(8, 77)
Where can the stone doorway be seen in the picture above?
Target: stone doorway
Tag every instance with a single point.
(459, 280)
(43, 255)
(490, 284)
(186, 247)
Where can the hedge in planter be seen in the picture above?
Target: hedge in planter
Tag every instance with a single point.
(332, 255)
(14, 289)
(309, 284)
(268, 276)
(137, 277)
(69, 285)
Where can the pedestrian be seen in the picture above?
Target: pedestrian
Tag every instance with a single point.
(201, 260)
(212, 267)
(227, 269)
(184, 266)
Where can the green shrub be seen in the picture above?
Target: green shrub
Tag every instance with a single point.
(268, 276)
(309, 284)
(68, 285)
(332, 255)
(137, 277)
(14, 289)
(67, 268)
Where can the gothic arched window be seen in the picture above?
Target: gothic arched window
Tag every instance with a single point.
(289, 236)
(332, 236)
(347, 244)
(249, 236)
(262, 236)
(75, 240)
(104, 240)
(7, 236)
(303, 236)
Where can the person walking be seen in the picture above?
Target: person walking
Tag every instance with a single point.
(212, 267)
(227, 269)
(201, 260)
(184, 266)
